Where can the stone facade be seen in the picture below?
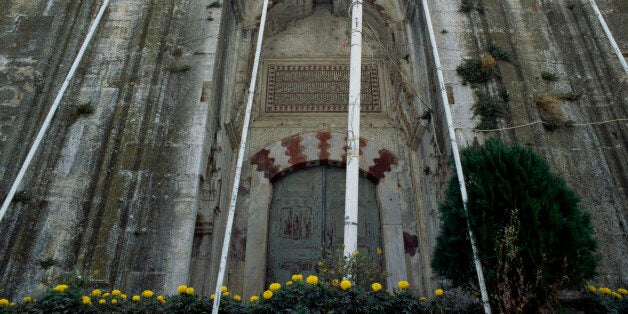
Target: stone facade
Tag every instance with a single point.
(135, 194)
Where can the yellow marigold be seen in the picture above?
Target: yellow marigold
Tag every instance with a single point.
(591, 288)
(274, 286)
(226, 293)
(116, 293)
(320, 263)
(224, 289)
(189, 291)
(102, 301)
(106, 295)
(211, 297)
(86, 300)
(324, 270)
(345, 284)
(615, 294)
(335, 282)
(297, 277)
(135, 298)
(423, 299)
(403, 284)
(12, 304)
(4, 302)
(289, 283)
(181, 289)
(605, 290)
(60, 288)
(379, 251)
(376, 286)
(439, 292)
(311, 279)
(267, 294)
(237, 298)
(27, 299)
(147, 294)
(622, 291)
(114, 301)
(123, 296)
(161, 299)
(356, 253)
(254, 298)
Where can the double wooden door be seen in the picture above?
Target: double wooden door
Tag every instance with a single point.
(307, 216)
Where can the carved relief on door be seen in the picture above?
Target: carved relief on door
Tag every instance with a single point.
(307, 215)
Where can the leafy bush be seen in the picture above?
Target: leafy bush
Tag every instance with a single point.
(473, 71)
(498, 53)
(550, 112)
(549, 76)
(532, 236)
(488, 109)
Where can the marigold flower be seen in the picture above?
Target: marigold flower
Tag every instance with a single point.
(345, 284)
(86, 300)
(605, 291)
(254, 298)
(161, 299)
(114, 301)
(289, 283)
(181, 289)
(622, 291)
(237, 298)
(379, 251)
(189, 291)
(123, 296)
(135, 298)
(211, 297)
(311, 279)
(439, 292)
(4, 302)
(224, 289)
(320, 263)
(106, 295)
(591, 288)
(615, 294)
(267, 294)
(335, 282)
(27, 299)
(147, 294)
(102, 301)
(423, 299)
(403, 284)
(226, 293)
(297, 277)
(274, 286)
(60, 288)
(116, 293)
(376, 286)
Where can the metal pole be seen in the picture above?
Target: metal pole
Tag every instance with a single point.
(454, 147)
(608, 33)
(51, 112)
(353, 133)
(238, 171)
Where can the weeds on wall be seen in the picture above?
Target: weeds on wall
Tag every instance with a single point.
(498, 53)
(488, 109)
(549, 76)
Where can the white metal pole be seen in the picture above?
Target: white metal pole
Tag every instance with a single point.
(616, 49)
(238, 171)
(353, 133)
(51, 112)
(454, 147)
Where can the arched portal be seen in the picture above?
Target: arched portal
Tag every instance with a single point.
(306, 220)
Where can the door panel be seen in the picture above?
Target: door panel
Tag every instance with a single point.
(307, 213)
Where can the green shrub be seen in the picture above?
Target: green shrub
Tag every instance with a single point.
(498, 53)
(533, 238)
(473, 71)
(489, 110)
(549, 76)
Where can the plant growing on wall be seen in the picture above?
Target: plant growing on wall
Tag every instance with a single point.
(533, 238)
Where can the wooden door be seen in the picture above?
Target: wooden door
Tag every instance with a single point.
(307, 215)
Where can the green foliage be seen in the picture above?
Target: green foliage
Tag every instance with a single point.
(364, 270)
(472, 71)
(180, 69)
(532, 237)
(498, 53)
(214, 4)
(549, 76)
(488, 109)
(467, 6)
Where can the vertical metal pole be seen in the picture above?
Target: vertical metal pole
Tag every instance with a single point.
(238, 171)
(353, 132)
(53, 109)
(609, 35)
(454, 147)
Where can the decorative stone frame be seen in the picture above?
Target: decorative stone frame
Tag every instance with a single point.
(312, 149)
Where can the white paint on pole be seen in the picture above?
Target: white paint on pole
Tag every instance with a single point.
(51, 112)
(454, 147)
(238, 171)
(353, 133)
(608, 33)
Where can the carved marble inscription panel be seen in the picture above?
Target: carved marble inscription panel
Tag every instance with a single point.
(317, 88)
